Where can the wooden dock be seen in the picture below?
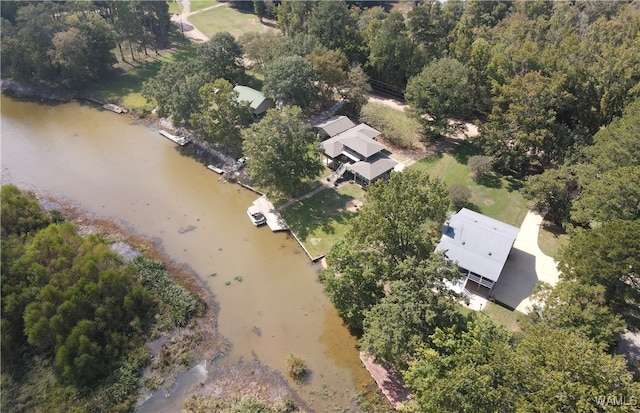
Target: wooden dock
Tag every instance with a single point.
(388, 380)
(215, 169)
(274, 219)
(180, 140)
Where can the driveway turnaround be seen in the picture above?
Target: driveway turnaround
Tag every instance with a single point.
(526, 265)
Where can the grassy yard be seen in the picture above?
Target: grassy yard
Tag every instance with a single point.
(323, 219)
(125, 85)
(225, 19)
(551, 238)
(499, 198)
(510, 319)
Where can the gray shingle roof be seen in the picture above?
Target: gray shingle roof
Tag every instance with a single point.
(477, 242)
(335, 125)
(359, 139)
(373, 167)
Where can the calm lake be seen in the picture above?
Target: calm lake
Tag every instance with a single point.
(111, 167)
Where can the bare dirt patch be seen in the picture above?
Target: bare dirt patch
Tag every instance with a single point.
(315, 241)
(353, 206)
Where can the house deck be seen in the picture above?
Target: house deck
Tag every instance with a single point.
(274, 219)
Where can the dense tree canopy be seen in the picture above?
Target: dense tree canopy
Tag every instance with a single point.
(176, 87)
(283, 150)
(394, 225)
(483, 369)
(417, 303)
(75, 317)
(72, 43)
(439, 92)
(580, 307)
(291, 81)
(222, 116)
(608, 255)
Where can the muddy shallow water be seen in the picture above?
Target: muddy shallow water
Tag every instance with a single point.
(271, 303)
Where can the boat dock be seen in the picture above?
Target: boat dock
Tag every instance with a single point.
(215, 169)
(389, 381)
(180, 140)
(274, 219)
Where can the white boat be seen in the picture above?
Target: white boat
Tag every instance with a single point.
(215, 169)
(180, 140)
(256, 216)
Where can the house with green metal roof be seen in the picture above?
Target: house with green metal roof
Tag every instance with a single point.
(258, 102)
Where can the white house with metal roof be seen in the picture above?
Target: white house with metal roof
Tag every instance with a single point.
(479, 244)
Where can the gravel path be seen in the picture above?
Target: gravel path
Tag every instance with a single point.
(182, 20)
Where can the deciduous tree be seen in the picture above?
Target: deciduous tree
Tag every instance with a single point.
(291, 81)
(222, 116)
(579, 307)
(416, 304)
(615, 195)
(440, 91)
(608, 255)
(283, 150)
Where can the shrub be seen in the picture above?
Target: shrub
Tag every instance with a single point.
(296, 368)
(481, 167)
(459, 195)
(397, 127)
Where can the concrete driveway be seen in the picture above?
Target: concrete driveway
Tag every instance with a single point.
(526, 265)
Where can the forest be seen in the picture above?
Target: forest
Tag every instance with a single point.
(73, 43)
(75, 316)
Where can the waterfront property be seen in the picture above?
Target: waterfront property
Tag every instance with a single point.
(258, 102)
(479, 244)
(353, 151)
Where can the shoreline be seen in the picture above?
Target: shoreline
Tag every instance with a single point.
(201, 338)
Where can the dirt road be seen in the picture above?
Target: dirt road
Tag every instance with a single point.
(182, 21)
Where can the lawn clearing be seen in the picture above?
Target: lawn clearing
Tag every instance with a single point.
(124, 87)
(322, 220)
(551, 238)
(510, 319)
(500, 198)
(226, 19)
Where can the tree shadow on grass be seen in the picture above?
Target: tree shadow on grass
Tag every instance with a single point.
(465, 150)
(514, 184)
(490, 181)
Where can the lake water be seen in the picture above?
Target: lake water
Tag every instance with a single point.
(113, 168)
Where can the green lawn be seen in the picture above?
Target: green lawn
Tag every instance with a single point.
(551, 238)
(322, 220)
(225, 19)
(125, 84)
(510, 319)
(202, 4)
(499, 198)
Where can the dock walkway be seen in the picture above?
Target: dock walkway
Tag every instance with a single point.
(388, 380)
(274, 219)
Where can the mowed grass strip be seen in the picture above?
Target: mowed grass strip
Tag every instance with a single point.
(323, 219)
(500, 198)
(226, 19)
